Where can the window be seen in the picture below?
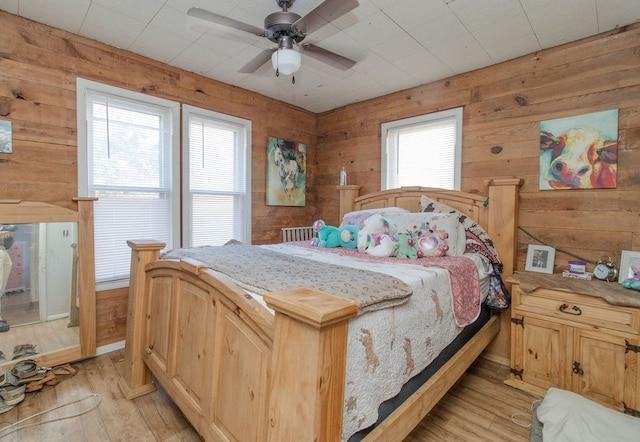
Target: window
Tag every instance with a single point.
(423, 151)
(216, 201)
(129, 157)
(127, 142)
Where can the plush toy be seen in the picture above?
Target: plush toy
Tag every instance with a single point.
(381, 244)
(369, 234)
(634, 281)
(405, 246)
(431, 243)
(349, 236)
(331, 236)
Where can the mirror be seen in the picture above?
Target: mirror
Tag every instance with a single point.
(47, 282)
(38, 279)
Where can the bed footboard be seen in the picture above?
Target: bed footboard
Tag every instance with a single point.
(236, 371)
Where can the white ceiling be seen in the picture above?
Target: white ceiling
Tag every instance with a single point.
(397, 44)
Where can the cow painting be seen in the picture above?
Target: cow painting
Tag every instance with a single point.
(578, 158)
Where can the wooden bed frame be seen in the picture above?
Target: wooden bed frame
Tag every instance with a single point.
(240, 373)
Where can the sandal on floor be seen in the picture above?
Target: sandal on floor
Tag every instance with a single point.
(27, 371)
(7, 378)
(12, 395)
(4, 327)
(49, 379)
(63, 372)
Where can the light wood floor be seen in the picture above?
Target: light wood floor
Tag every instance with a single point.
(478, 408)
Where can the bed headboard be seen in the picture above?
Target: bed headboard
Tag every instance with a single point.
(496, 212)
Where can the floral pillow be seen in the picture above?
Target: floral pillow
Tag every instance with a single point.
(357, 217)
(419, 224)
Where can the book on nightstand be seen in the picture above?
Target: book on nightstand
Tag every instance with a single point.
(585, 275)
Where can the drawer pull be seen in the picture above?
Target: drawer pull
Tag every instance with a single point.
(576, 368)
(575, 310)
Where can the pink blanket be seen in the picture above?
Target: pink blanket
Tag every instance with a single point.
(465, 283)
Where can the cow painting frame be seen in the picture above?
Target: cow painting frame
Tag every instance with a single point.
(286, 173)
(579, 152)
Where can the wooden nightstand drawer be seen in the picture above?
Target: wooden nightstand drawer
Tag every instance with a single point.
(583, 309)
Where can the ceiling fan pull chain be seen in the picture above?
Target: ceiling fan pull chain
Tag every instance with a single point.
(277, 72)
(293, 79)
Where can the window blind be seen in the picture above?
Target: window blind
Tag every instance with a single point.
(129, 152)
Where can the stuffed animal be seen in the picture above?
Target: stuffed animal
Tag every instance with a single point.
(634, 281)
(381, 244)
(405, 246)
(368, 236)
(331, 236)
(349, 236)
(431, 243)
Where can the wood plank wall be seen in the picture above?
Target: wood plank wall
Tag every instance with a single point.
(38, 70)
(503, 106)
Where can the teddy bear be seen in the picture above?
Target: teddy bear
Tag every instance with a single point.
(431, 243)
(633, 282)
(331, 236)
(405, 246)
(370, 234)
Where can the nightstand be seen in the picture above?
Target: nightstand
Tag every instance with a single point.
(577, 335)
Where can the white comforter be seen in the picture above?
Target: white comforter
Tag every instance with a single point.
(387, 347)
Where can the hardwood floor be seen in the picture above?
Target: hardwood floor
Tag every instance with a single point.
(478, 408)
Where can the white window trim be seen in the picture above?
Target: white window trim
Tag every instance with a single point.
(420, 119)
(82, 86)
(246, 134)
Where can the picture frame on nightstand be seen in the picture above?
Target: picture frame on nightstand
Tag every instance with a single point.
(540, 259)
(628, 258)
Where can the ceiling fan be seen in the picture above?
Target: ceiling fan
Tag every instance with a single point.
(286, 29)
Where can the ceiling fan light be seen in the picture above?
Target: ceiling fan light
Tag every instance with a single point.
(286, 61)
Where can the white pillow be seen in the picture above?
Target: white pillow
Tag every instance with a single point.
(569, 417)
(401, 222)
(357, 217)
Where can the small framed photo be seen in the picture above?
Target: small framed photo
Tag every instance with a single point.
(540, 259)
(628, 259)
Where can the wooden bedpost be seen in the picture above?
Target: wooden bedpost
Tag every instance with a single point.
(308, 365)
(136, 377)
(348, 194)
(503, 230)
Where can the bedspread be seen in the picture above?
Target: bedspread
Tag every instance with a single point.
(260, 270)
(386, 348)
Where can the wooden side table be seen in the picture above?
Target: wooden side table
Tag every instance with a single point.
(577, 335)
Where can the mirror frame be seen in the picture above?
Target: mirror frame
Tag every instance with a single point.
(29, 212)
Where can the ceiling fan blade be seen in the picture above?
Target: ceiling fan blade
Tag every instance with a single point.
(328, 57)
(257, 62)
(203, 14)
(323, 14)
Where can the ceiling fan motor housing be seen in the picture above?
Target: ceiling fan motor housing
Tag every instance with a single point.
(280, 24)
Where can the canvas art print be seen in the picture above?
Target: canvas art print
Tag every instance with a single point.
(5, 137)
(579, 152)
(286, 173)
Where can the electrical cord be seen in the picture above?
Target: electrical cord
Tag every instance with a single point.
(516, 416)
(557, 248)
(12, 428)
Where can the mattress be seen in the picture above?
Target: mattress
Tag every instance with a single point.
(387, 348)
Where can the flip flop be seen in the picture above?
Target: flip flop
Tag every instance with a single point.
(27, 371)
(63, 372)
(40, 383)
